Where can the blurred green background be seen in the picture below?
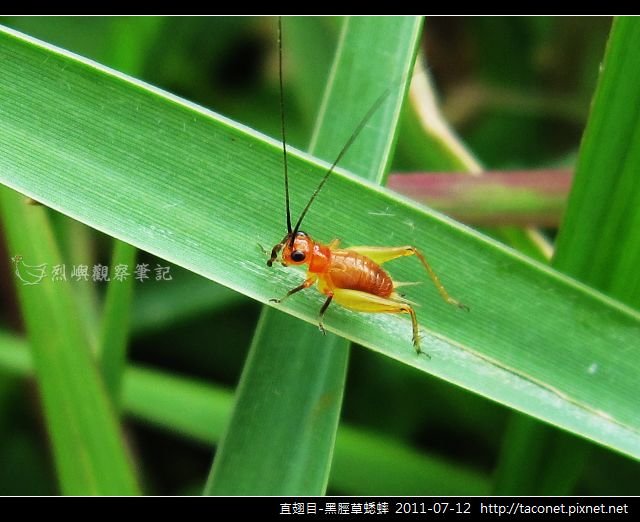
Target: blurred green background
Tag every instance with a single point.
(517, 90)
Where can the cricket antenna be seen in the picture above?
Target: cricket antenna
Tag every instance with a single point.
(372, 110)
(284, 135)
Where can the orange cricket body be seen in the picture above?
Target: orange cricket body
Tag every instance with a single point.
(353, 277)
(338, 268)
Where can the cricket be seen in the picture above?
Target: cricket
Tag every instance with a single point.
(351, 277)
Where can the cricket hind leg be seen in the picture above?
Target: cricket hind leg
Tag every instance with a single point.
(381, 255)
(364, 302)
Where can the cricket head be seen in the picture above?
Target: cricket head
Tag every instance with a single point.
(295, 249)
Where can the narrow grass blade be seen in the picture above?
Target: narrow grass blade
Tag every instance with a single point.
(363, 462)
(14, 356)
(116, 316)
(78, 248)
(428, 141)
(281, 434)
(598, 242)
(188, 295)
(90, 455)
(185, 406)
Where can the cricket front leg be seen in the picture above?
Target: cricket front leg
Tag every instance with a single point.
(306, 284)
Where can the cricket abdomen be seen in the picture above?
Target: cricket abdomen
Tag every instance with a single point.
(353, 271)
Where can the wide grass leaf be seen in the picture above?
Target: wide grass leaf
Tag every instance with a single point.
(200, 191)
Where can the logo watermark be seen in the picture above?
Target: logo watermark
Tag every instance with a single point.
(34, 274)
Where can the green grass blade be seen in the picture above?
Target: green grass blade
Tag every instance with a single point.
(374, 58)
(427, 141)
(308, 53)
(78, 248)
(598, 242)
(163, 305)
(185, 406)
(280, 437)
(538, 460)
(523, 438)
(298, 425)
(14, 356)
(88, 449)
(116, 316)
(363, 462)
(186, 184)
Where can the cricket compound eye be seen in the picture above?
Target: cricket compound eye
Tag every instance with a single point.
(297, 256)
